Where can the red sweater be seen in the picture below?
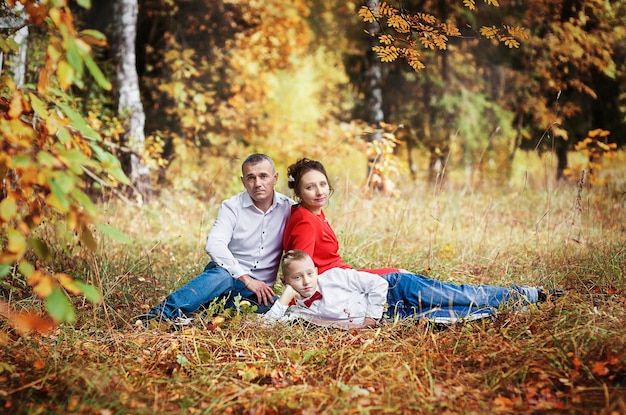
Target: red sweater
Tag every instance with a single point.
(314, 235)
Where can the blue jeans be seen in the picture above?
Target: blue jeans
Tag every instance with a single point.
(414, 295)
(214, 282)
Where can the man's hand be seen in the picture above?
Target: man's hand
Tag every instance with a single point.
(263, 292)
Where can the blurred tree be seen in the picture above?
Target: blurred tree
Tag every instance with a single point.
(47, 150)
(575, 52)
(130, 107)
(566, 79)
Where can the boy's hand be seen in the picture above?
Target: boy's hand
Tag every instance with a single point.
(289, 294)
(368, 322)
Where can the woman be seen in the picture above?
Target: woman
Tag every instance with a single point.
(308, 230)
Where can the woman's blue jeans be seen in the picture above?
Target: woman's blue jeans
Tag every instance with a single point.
(214, 282)
(414, 295)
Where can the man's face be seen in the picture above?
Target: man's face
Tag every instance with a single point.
(259, 180)
(302, 276)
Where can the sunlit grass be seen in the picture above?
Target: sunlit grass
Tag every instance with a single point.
(568, 356)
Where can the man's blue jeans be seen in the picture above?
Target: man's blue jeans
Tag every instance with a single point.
(414, 295)
(214, 282)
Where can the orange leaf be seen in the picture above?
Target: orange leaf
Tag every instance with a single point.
(39, 364)
(600, 369)
(15, 107)
(503, 401)
(25, 322)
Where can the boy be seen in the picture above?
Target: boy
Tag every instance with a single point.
(347, 298)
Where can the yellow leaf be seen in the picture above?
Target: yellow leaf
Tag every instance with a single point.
(17, 242)
(42, 283)
(366, 14)
(470, 4)
(398, 23)
(8, 208)
(65, 74)
(67, 282)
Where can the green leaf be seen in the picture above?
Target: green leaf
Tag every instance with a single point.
(46, 160)
(57, 199)
(77, 160)
(84, 3)
(59, 307)
(89, 291)
(73, 56)
(97, 74)
(96, 34)
(64, 136)
(78, 122)
(84, 201)
(40, 248)
(65, 181)
(21, 160)
(38, 105)
(113, 233)
(25, 268)
(87, 238)
(5, 269)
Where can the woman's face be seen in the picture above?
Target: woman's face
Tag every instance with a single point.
(313, 190)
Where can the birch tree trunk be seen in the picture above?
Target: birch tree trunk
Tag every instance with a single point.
(373, 90)
(14, 21)
(130, 106)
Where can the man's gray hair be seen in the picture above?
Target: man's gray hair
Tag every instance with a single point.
(257, 158)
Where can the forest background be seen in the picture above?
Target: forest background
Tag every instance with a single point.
(498, 161)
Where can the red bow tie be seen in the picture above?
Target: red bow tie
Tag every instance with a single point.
(308, 301)
(314, 297)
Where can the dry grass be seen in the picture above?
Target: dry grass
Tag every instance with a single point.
(562, 357)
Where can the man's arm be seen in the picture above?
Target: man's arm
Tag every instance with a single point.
(220, 237)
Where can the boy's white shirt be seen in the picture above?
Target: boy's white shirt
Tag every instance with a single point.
(348, 297)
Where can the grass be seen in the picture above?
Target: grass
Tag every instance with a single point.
(563, 357)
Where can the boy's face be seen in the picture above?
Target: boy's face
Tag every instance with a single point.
(302, 276)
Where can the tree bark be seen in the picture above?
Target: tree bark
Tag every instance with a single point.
(130, 106)
(373, 88)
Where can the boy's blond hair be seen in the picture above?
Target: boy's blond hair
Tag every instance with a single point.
(291, 256)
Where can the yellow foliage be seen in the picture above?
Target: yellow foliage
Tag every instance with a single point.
(366, 14)
(398, 23)
(470, 4)
(386, 53)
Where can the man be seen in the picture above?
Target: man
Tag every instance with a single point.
(245, 245)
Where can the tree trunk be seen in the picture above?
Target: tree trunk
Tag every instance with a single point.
(561, 156)
(130, 106)
(373, 89)
(14, 21)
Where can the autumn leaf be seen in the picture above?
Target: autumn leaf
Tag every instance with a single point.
(25, 321)
(600, 369)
